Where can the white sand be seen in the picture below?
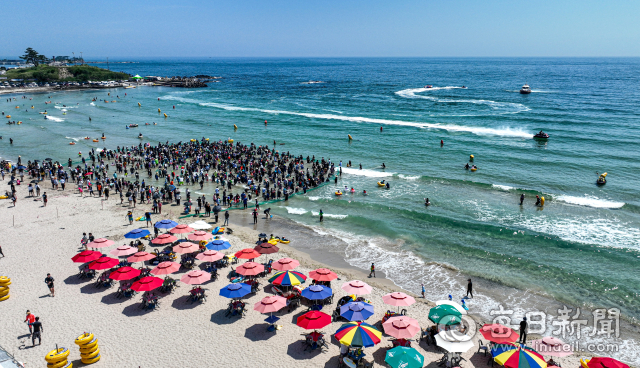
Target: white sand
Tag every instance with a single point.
(178, 334)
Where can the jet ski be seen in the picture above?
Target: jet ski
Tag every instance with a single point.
(602, 179)
(541, 135)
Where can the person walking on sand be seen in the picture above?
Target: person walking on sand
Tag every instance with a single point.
(469, 288)
(45, 199)
(130, 217)
(1, 251)
(226, 218)
(373, 270)
(84, 241)
(49, 281)
(147, 216)
(37, 331)
(255, 217)
(523, 331)
(423, 290)
(29, 321)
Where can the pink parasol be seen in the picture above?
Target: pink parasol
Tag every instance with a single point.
(123, 250)
(401, 327)
(356, 287)
(250, 269)
(270, 304)
(165, 268)
(181, 229)
(147, 283)
(100, 243)
(86, 256)
(164, 239)
(285, 264)
(196, 277)
(141, 257)
(103, 263)
(186, 247)
(124, 273)
(323, 274)
(210, 256)
(200, 235)
(398, 299)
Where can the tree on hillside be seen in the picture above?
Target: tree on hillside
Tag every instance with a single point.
(31, 56)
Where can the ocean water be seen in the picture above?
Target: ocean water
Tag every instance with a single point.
(582, 248)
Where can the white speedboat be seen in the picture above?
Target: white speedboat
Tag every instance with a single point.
(525, 90)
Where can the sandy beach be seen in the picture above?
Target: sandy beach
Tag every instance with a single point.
(41, 240)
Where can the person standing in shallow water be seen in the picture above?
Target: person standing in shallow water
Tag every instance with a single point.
(321, 215)
(469, 288)
(373, 270)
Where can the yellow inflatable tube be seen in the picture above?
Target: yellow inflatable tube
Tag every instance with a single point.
(380, 184)
(92, 360)
(57, 355)
(85, 338)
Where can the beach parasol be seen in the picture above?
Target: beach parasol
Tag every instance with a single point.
(124, 273)
(137, 233)
(403, 357)
(266, 248)
(313, 320)
(285, 264)
(401, 327)
(86, 256)
(270, 304)
(164, 239)
(141, 257)
(356, 311)
(181, 229)
(136, 77)
(200, 225)
(398, 299)
(551, 346)
(602, 362)
(199, 236)
(358, 334)
(356, 287)
(210, 256)
(123, 250)
(517, 356)
(147, 283)
(103, 263)
(196, 277)
(498, 333)
(444, 315)
(317, 292)
(186, 247)
(288, 278)
(166, 224)
(235, 291)
(166, 268)
(247, 253)
(323, 274)
(453, 341)
(250, 269)
(218, 245)
(100, 243)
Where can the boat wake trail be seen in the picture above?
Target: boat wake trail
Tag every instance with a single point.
(504, 132)
(508, 107)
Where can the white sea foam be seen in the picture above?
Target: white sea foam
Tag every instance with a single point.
(49, 117)
(408, 177)
(511, 107)
(313, 198)
(366, 172)
(296, 211)
(502, 187)
(329, 215)
(589, 201)
(60, 107)
(92, 104)
(505, 132)
(75, 139)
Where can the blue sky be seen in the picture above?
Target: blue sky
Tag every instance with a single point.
(347, 28)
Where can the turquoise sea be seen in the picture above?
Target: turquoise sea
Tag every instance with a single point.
(582, 248)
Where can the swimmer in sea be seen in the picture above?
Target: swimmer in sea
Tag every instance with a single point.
(426, 202)
(466, 166)
(384, 166)
(364, 192)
